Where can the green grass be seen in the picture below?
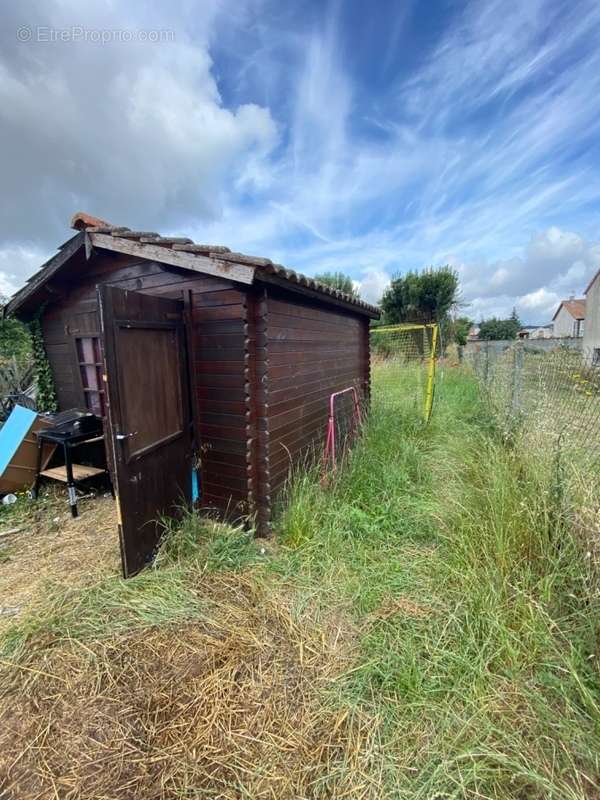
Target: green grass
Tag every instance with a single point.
(107, 608)
(469, 602)
(486, 680)
(164, 594)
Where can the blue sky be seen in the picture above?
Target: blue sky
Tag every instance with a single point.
(367, 137)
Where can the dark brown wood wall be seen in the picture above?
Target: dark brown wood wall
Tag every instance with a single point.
(217, 348)
(313, 351)
(219, 333)
(265, 363)
(257, 398)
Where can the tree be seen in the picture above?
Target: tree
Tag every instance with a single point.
(459, 329)
(425, 296)
(495, 329)
(339, 281)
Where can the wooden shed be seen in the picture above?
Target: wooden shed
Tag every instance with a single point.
(197, 358)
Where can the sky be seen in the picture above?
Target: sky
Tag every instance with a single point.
(367, 137)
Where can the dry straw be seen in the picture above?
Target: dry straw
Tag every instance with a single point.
(232, 706)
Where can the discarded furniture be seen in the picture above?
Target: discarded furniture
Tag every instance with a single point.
(19, 449)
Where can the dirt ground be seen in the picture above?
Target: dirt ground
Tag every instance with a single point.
(41, 542)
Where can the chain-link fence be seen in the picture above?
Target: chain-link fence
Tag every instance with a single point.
(551, 399)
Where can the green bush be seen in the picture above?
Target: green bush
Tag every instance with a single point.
(15, 341)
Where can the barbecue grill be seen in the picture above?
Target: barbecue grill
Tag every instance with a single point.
(69, 430)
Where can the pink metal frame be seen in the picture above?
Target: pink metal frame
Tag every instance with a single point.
(330, 444)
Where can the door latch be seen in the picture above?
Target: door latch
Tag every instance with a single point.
(121, 436)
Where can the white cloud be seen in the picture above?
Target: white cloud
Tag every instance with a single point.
(373, 284)
(136, 133)
(427, 187)
(500, 277)
(15, 262)
(486, 144)
(540, 300)
(553, 265)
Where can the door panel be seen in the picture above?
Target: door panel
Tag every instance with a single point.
(149, 360)
(148, 428)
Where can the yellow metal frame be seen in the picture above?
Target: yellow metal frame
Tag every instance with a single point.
(393, 328)
(431, 373)
(431, 366)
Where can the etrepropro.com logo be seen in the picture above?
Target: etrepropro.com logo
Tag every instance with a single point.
(79, 33)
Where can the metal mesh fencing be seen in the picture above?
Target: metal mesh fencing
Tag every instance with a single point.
(549, 398)
(403, 366)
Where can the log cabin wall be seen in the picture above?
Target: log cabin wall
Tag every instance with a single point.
(313, 351)
(257, 398)
(219, 314)
(265, 361)
(217, 348)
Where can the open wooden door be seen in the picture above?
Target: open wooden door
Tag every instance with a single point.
(148, 430)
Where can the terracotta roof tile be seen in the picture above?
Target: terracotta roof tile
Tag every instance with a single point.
(576, 308)
(165, 241)
(201, 248)
(80, 221)
(85, 222)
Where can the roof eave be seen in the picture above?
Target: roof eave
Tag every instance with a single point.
(206, 264)
(184, 254)
(333, 297)
(43, 275)
(222, 263)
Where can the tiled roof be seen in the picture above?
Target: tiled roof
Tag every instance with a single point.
(85, 222)
(575, 307)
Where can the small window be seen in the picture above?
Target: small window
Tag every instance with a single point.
(89, 357)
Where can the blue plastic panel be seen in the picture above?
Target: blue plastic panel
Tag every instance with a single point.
(12, 433)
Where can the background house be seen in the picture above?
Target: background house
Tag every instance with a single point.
(591, 337)
(536, 332)
(569, 319)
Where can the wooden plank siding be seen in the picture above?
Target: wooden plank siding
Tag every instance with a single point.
(264, 362)
(257, 393)
(217, 312)
(313, 351)
(220, 339)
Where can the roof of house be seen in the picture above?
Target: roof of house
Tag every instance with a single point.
(575, 307)
(183, 253)
(589, 286)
